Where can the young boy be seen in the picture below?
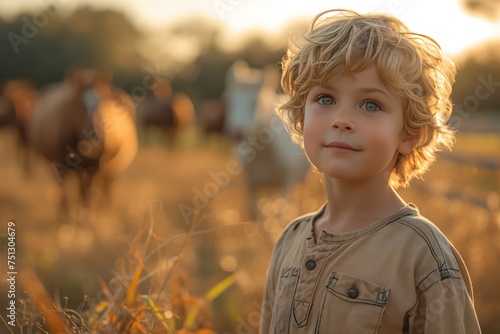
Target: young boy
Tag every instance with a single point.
(368, 102)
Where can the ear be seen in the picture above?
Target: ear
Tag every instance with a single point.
(407, 144)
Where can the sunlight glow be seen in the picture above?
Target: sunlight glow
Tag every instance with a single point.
(444, 20)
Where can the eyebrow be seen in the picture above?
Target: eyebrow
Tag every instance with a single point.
(363, 89)
(375, 90)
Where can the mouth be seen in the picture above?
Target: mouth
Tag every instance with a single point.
(341, 147)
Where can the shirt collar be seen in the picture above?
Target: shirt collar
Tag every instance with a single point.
(325, 236)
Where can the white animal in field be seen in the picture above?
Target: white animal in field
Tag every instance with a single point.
(262, 145)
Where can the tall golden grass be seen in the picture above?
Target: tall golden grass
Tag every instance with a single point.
(144, 298)
(176, 277)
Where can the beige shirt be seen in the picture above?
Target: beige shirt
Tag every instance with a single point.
(398, 275)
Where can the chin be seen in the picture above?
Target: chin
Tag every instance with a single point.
(339, 175)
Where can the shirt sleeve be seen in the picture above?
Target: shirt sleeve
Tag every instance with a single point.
(270, 290)
(445, 307)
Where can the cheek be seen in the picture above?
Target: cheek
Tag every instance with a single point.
(387, 139)
(311, 135)
(314, 118)
(312, 127)
(308, 136)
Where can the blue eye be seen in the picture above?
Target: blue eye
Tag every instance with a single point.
(325, 100)
(370, 106)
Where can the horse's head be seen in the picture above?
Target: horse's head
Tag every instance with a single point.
(81, 79)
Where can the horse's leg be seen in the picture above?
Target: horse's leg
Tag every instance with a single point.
(63, 202)
(64, 206)
(25, 150)
(85, 179)
(106, 183)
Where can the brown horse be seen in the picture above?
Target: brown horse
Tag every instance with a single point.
(85, 127)
(7, 114)
(17, 99)
(166, 111)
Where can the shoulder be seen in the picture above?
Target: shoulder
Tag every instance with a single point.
(304, 222)
(425, 233)
(436, 256)
(422, 228)
(299, 228)
(299, 222)
(295, 227)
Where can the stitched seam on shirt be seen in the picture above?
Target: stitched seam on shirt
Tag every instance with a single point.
(413, 311)
(422, 291)
(418, 284)
(294, 289)
(427, 240)
(366, 233)
(294, 224)
(442, 279)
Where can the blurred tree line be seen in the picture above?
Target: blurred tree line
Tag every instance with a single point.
(477, 84)
(42, 44)
(488, 9)
(194, 53)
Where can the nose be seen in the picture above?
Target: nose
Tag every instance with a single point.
(342, 124)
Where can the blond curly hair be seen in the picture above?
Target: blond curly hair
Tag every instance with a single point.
(409, 64)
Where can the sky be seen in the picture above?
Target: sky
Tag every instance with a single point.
(444, 20)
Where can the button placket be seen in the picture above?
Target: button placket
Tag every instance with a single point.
(313, 261)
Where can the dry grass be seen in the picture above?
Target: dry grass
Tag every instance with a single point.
(148, 294)
(142, 267)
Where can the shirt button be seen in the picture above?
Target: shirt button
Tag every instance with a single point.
(352, 292)
(311, 264)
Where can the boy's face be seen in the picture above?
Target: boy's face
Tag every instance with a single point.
(353, 127)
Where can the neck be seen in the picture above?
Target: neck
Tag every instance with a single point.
(354, 205)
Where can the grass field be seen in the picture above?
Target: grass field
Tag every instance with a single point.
(145, 234)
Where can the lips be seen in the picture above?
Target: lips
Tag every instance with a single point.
(341, 147)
